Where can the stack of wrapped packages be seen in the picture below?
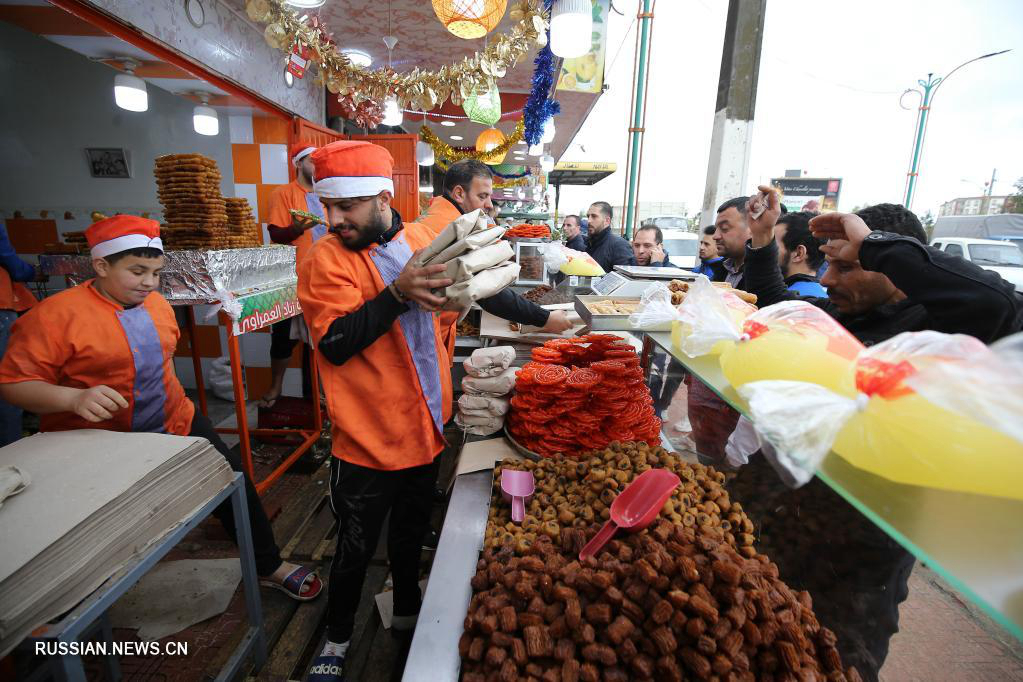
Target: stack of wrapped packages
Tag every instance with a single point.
(477, 259)
(488, 381)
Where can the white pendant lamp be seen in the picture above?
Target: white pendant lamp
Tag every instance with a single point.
(424, 154)
(571, 28)
(392, 112)
(536, 149)
(547, 163)
(204, 118)
(548, 131)
(130, 90)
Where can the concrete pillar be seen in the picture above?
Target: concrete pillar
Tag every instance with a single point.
(733, 117)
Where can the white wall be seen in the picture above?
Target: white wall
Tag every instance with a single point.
(58, 104)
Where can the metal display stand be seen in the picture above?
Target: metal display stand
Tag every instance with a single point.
(90, 615)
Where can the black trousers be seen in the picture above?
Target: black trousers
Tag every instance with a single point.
(281, 347)
(361, 499)
(268, 556)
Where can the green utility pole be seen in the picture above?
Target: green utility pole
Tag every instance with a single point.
(930, 88)
(646, 18)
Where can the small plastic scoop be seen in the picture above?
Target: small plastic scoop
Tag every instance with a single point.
(517, 487)
(635, 508)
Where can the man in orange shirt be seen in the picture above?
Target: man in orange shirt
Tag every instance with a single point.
(286, 228)
(469, 185)
(15, 298)
(101, 356)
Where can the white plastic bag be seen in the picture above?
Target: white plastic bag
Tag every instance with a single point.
(488, 362)
(218, 378)
(655, 309)
(554, 256)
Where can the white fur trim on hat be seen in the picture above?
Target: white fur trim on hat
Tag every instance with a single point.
(346, 187)
(123, 243)
(301, 155)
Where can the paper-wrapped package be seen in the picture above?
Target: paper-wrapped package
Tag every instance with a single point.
(497, 386)
(484, 284)
(480, 405)
(476, 259)
(479, 426)
(488, 362)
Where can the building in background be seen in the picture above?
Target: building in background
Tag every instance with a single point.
(982, 205)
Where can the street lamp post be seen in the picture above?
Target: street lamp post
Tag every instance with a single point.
(930, 88)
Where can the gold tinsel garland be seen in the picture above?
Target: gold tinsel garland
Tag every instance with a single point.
(513, 182)
(424, 90)
(442, 149)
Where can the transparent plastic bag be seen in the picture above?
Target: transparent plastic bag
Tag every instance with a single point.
(791, 341)
(559, 258)
(655, 310)
(554, 256)
(913, 412)
(709, 319)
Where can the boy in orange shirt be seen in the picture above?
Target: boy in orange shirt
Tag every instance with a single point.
(100, 356)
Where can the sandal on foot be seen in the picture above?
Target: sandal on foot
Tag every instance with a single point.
(294, 582)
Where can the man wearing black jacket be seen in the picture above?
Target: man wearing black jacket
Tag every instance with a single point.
(882, 280)
(606, 247)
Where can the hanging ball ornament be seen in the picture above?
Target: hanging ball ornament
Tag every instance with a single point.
(276, 36)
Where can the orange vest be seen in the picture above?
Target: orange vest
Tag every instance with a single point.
(76, 338)
(379, 413)
(441, 214)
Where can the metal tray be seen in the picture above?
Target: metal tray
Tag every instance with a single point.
(647, 272)
(598, 322)
(529, 454)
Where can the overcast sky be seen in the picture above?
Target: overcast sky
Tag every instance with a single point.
(827, 102)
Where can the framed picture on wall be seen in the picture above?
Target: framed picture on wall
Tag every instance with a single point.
(108, 163)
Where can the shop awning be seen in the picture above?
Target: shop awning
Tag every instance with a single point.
(580, 172)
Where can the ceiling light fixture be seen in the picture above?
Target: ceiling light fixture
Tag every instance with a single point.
(130, 90)
(392, 112)
(425, 155)
(547, 163)
(204, 117)
(448, 124)
(457, 138)
(571, 28)
(358, 58)
(305, 4)
(548, 131)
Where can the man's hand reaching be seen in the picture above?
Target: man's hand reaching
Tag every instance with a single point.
(762, 228)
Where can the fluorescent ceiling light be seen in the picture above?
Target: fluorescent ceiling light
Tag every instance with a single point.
(449, 124)
(457, 138)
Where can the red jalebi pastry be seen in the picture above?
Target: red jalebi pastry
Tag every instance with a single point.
(551, 375)
(612, 367)
(584, 379)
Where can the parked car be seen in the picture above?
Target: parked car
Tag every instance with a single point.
(1018, 241)
(668, 222)
(1002, 257)
(683, 248)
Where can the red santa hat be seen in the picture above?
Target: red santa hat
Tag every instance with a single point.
(122, 232)
(352, 168)
(300, 150)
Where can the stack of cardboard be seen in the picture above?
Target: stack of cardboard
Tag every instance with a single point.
(97, 499)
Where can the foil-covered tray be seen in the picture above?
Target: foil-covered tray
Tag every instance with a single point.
(195, 277)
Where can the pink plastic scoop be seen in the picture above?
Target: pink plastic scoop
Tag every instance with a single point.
(517, 487)
(635, 508)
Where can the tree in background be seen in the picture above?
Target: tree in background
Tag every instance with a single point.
(927, 220)
(1014, 204)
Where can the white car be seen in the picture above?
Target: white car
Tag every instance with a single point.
(683, 248)
(1002, 257)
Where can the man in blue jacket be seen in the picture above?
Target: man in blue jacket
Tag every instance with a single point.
(573, 233)
(711, 263)
(799, 254)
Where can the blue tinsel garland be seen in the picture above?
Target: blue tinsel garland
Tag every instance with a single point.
(539, 107)
(510, 176)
